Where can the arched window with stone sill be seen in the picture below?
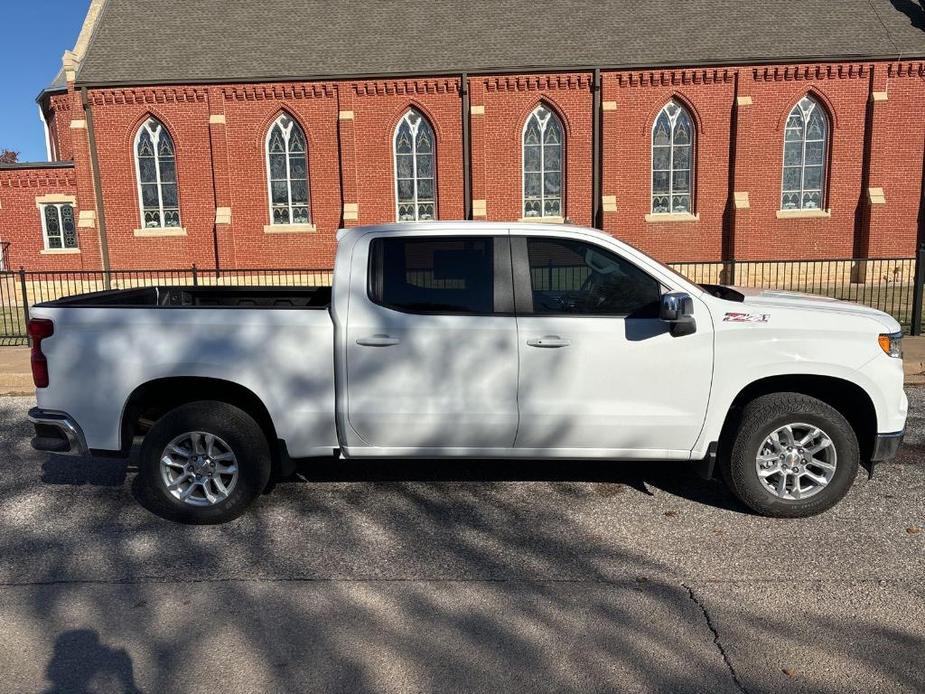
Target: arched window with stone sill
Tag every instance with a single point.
(156, 173)
(287, 172)
(414, 150)
(806, 145)
(673, 160)
(543, 180)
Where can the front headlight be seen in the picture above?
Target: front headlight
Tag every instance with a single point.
(892, 344)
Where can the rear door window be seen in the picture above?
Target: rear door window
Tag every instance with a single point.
(445, 275)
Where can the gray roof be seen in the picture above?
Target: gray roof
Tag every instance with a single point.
(58, 84)
(156, 41)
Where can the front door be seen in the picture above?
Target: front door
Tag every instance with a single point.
(600, 374)
(431, 346)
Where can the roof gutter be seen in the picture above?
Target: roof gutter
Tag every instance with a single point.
(48, 91)
(507, 70)
(38, 165)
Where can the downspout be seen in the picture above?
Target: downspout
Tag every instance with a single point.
(466, 146)
(861, 244)
(97, 187)
(597, 220)
(47, 134)
(215, 250)
(728, 242)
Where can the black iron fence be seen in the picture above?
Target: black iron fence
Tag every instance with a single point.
(22, 289)
(888, 284)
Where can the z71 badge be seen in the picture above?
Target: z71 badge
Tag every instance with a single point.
(747, 317)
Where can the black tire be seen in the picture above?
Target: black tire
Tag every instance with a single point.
(767, 414)
(230, 424)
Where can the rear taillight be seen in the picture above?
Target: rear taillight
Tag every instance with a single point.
(39, 329)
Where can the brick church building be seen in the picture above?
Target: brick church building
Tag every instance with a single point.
(244, 134)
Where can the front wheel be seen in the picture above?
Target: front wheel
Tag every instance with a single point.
(793, 456)
(204, 462)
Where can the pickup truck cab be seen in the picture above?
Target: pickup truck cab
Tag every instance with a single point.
(463, 339)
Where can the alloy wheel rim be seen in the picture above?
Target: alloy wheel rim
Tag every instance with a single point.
(199, 468)
(796, 461)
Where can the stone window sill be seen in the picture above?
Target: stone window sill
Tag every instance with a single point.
(803, 214)
(289, 229)
(59, 251)
(670, 217)
(543, 220)
(154, 232)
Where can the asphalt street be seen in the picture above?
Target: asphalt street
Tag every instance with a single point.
(463, 576)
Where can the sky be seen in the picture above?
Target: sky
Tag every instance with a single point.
(34, 35)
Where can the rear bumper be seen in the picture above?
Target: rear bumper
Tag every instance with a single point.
(886, 445)
(57, 432)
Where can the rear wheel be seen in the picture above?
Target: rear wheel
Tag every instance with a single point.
(204, 462)
(793, 456)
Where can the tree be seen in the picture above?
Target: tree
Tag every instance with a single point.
(8, 156)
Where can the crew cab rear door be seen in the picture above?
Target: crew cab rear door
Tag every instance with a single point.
(431, 345)
(600, 374)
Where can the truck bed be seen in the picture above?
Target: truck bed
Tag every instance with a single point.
(107, 344)
(198, 296)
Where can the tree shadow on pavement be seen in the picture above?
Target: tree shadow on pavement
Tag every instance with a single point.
(98, 472)
(673, 477)
(81, 663)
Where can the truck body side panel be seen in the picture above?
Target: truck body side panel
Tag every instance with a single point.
(98, 356)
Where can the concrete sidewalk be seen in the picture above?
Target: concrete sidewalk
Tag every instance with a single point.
(16, 374)
(914, 360)
(15, 371)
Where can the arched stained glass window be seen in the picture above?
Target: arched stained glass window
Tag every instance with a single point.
(414, 149)
(672, 160)
(287, 172)
(805, 141)
(542, 164)
(156, 169)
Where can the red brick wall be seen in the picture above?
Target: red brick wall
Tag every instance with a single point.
(378, 107)
(896, 158)
(184, 111)
(21, 222)
(844, 92)
(58, 118)
(350, 126)
(497, 149)
(638, 98)
(249, 112)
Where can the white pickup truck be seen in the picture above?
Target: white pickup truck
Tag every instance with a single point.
(462, 339)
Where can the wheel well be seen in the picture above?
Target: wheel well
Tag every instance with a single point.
(150, 401)
(848, 398)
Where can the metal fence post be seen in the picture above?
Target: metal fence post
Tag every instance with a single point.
(195, 276)
(916, 327)
(25, 296)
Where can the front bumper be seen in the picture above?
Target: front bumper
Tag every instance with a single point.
(886, 445)
(57, 432)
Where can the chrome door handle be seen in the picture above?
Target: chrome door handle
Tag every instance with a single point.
(378, 341)
(549, 342)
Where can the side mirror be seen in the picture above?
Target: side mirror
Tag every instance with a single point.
(677, 308)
